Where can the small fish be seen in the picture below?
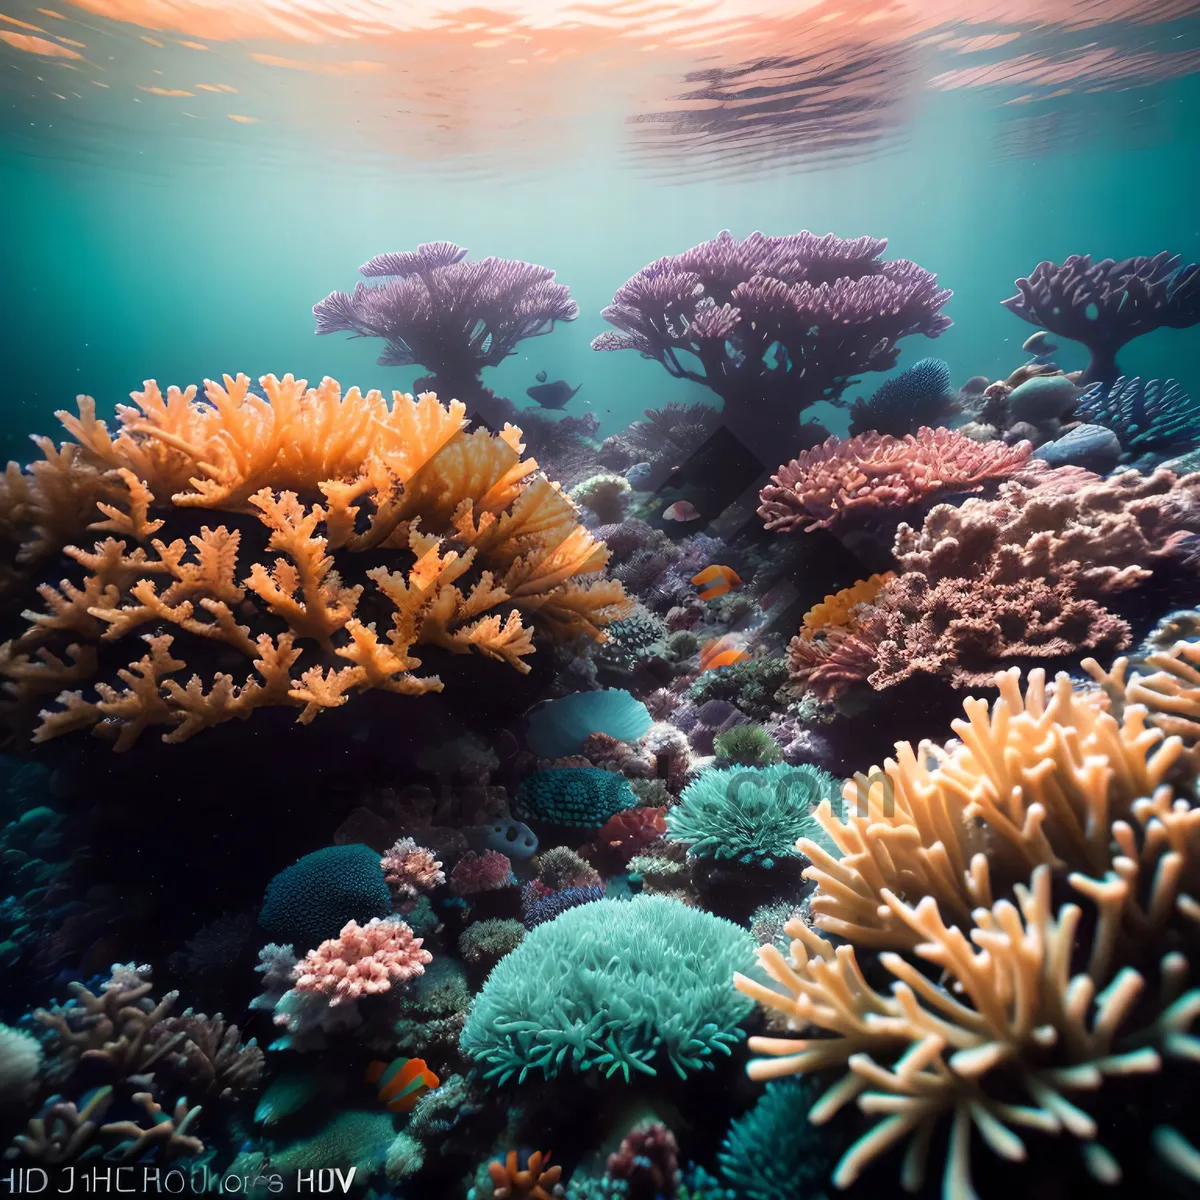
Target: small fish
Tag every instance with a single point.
(716, 581)
(540, 377)
(552, 395)
(721, 652)
(402, 1083)
(681, 510)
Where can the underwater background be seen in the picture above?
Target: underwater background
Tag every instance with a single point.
(761, 764)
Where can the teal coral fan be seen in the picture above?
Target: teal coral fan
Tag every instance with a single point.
(617, 986)
(559, 727)
(581, 796)
(753, 815)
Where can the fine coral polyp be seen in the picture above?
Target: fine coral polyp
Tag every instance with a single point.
(481, 545)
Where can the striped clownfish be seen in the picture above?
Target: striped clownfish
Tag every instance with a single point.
(716, 581)
(721, 652)
(402, 1082)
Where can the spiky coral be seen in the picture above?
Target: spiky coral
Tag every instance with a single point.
(867, 477)
(323, 474)
(1046, 786)
(410, 869)
(536, 1180)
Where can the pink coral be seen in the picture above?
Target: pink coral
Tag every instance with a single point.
(484, 872)
(868, 476)
(828, 665)
(410, 869)
(361, 961)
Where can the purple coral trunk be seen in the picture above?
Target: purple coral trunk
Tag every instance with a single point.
(774, 324)
(451, 316)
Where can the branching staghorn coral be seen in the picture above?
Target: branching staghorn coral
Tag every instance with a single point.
(864, 479)
(1021, 1024)
(321, 477)
(1167, 686)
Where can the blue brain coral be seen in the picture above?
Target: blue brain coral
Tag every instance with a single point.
(581, 796)
(752, 814)
(616, 985)
(559, 727)
(311, 900)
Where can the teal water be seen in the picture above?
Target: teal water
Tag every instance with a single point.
(157, 251)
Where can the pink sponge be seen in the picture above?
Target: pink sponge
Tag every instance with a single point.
(361, 960)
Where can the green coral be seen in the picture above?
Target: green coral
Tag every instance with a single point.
(751, 685)
(751, 814)
(766, 1154)
(616, 986)
(748, 746)
(487, 942)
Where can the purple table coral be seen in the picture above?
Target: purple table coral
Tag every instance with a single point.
(774, 324)
(450, 316)
(1107, 304)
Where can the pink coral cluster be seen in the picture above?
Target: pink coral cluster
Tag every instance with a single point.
(361, 961)
(867, 477)
(410, 869)
(486, 872)
(1021, 576)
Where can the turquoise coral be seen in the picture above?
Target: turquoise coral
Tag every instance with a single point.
(751, 814)
(581, 796)
(619, 986)
(310, 901)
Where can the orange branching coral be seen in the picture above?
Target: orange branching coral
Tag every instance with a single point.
(535, 1181)
(477, 542)
(1168, 687)
(836, 645)
(870, 476)
(1036, 778)
(1007, 1015)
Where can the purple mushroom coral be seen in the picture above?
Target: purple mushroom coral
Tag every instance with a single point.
(1107, 304)
(774, 324)
(450, 316)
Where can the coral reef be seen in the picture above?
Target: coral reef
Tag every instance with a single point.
(746, 746)
(1148, 416)
(450, 316)
(486, 872)
(403, 478)
(485, 943)
(953, 857)
(361, 961)
(1105, 305)
(919, 396)
(1024, 575)
(776, 323)
(581, 796)
(751, 815)
(409, 869)
(868, 477)
(559, 727)
(312, 899)
(646, 978)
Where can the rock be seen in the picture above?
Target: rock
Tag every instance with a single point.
(1042, 398)
(1089, 446)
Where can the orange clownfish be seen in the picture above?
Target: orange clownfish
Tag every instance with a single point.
(715, 581)
(721, 652)
(402, 1082)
